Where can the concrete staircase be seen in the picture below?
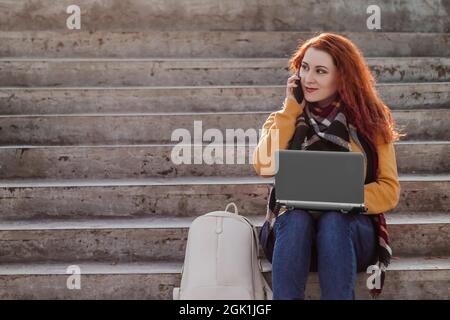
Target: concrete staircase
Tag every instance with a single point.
(85, 131)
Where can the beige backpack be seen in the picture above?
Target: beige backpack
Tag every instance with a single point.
(221, 260)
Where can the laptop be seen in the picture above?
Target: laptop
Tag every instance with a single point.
(320, 180)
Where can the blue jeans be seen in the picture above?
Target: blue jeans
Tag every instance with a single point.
(336, 245)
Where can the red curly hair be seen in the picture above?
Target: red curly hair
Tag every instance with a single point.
(356, 86)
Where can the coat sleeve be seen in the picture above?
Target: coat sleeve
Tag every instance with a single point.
(275, 135)
(383, 194)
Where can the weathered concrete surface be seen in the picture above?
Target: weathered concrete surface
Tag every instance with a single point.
(177, 197)
(49, 100)
(408, 278)
(148, 161)
(112, 183)
(306, 15)
(164, 238)
(207, 44)
(151, 72)
(95, 129)
(99, 281)
(118, 243)
(144, 99)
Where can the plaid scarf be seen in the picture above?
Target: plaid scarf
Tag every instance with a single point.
(326, 129)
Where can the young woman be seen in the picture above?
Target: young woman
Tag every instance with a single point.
(341, 111)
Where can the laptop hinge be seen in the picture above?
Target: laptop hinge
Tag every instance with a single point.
(320, 205)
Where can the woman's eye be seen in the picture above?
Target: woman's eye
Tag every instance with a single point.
(303, 67)
(321, 71)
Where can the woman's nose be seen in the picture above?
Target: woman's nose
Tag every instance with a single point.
(309, 78)
(310, 81)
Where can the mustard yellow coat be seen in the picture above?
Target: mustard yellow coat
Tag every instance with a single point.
(379, 196)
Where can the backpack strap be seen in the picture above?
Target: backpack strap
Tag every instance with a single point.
(266, 286)
(234, 206)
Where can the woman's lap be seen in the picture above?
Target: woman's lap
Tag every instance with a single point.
(337, 245)
(330, 229)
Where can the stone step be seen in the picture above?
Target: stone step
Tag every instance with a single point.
(164, 238)
(149, 161)
(407, 278)
(139, 128)
(207, 44)
(187, 196)
(52, 100)
(58, 72)
(309, 15)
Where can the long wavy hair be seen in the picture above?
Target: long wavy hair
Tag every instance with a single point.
(356, 87)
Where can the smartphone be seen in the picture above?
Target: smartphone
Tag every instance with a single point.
(298, 92)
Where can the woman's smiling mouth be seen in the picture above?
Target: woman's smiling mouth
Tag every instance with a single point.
(310, 90)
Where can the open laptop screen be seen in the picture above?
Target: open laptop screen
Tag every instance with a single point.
(320, 176)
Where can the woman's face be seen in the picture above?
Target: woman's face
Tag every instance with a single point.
(317, 71)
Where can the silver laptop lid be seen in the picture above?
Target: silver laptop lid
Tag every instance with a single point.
(322, 180)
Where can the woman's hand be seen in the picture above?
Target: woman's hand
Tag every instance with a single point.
(290, 89)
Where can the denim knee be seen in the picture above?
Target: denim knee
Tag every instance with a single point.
(335, 226)
(333, 223)
(290, 266)
(295, 220)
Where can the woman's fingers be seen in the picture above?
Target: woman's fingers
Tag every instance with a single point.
(290, 85)
(291, 80)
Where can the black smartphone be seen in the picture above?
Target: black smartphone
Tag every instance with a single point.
(298, 92)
